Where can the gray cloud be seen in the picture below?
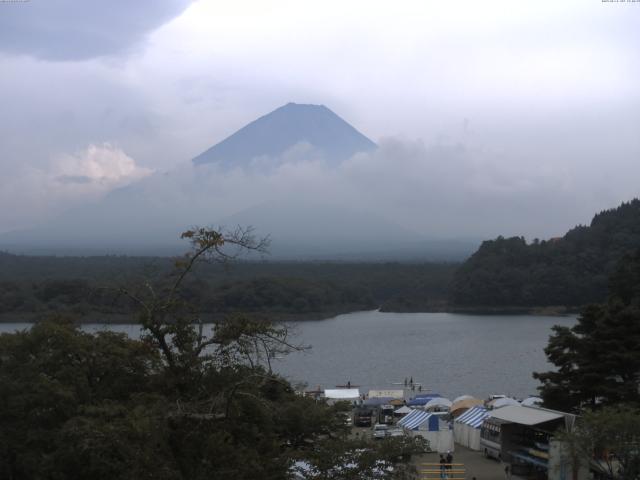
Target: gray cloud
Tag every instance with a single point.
(548, 90)
(404, 193)
(79, 30)
(69, 179)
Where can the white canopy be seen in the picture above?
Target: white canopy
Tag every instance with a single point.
(531, 401)
(526, 415)
(342, 394)
(404, 409)
(503, 402)
(438, 402)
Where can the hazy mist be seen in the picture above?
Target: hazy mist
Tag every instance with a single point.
(491, 118)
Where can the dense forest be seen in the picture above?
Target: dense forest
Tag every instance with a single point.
(571, 271)
(504, 275)
(88, 286)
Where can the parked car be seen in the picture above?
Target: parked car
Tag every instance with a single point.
(380, 430)
(348, 420)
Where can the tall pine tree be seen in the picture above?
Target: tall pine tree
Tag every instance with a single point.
(598, 360)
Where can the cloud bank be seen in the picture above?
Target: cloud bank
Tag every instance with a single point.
(63, 30)
(68, 180)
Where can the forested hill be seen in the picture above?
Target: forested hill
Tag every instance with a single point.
(569, 271)
(33, 287)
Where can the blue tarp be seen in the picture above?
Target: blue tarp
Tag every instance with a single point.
(419, 400)
(473, 417)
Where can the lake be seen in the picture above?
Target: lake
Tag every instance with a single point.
(450, 354)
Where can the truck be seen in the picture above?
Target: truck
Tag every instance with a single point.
(385, 414)
(380, 431)
(362, 417)
(491, 438)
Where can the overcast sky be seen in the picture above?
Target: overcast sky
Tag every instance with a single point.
(543, 95)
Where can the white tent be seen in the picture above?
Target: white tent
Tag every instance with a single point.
(503, 402)
(423, 424)
(342, 394)
(438, 403)
(531, 402)
(466, 428)
(403, 410)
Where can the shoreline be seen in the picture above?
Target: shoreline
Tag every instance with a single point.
(127, 319)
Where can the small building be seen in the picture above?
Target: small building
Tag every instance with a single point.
(377, 401)
(466, 427)
(430, 427)
(388, 394)
(528, 443)
(342, 394)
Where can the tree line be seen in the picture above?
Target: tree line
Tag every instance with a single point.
(81, 286)
(570, 271)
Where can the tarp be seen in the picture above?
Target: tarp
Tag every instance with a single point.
(419, 401)
(342, 394)
(420, 420)
(390, 394)
(473, 417)
(531, 401)
(525, 415)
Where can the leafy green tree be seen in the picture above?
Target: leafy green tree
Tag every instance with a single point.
(184, 402)
(607, 441)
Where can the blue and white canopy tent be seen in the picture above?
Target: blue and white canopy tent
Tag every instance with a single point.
(466, 428)
(420, 420)
(428, 426)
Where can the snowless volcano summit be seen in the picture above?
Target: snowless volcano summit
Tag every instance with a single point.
(286, 127)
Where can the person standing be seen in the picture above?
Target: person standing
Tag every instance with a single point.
(449, 459)
(507, 472)
(443, 467)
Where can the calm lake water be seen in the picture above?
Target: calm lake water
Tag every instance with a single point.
(448, 353)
